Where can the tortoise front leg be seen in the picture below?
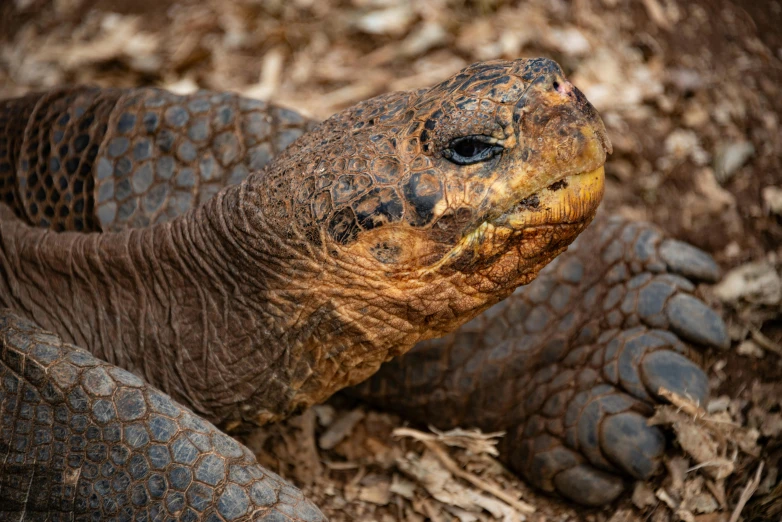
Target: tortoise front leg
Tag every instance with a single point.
(570, 365)
(82, 439)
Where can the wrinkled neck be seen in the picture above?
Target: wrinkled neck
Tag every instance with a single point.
(215, 308)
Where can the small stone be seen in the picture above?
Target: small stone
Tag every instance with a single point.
(718, 404)
(682, 144)
(393, 20)
(730, 158)
(772, 425)
(750, 348)
(570, 41)
(757, 283)
(772, 199)
(643, 495)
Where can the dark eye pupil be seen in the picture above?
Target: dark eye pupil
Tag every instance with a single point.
(470, 147)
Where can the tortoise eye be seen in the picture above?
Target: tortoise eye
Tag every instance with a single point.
(472, 149)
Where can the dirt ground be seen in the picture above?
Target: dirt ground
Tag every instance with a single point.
(690, 93)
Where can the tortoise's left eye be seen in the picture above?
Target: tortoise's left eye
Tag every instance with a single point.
(472, 149)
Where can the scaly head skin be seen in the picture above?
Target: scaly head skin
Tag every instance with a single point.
(431, 205)
(394, 221)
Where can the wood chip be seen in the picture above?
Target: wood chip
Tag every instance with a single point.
(746, 494)
(340, 429)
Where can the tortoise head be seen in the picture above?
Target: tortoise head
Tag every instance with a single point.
(444, 200)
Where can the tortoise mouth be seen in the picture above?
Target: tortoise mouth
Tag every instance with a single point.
(568, 200)
(567, 205)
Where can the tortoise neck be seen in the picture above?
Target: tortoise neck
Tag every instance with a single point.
(214, 308)
(196, 306)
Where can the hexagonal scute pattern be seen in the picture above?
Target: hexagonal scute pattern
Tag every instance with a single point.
(106, 159)
(81, 439)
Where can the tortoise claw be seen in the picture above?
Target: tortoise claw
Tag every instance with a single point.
(674, 372)
(632, 445)
(588, 486)
(691, 319)
(689, 261)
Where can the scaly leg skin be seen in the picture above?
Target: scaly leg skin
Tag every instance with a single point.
(90, 159)
(81, 439)
(570, 365)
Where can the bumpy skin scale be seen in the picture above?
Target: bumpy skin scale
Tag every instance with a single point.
(263, 131)
(570, 365)
(81, 439)
(89, 159)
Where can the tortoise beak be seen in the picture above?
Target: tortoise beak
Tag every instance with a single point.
(569, 200)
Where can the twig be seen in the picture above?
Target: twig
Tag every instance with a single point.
(657, 14)
(684, 404)
(471, 440)
(692, 409)
(454, 468)
(746, 494)
(764, 341)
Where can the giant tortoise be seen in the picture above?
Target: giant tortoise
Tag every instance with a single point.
(171, 263)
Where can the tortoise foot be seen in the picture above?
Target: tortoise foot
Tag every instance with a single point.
(571, 365)
(585, 444)
(81, 439)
